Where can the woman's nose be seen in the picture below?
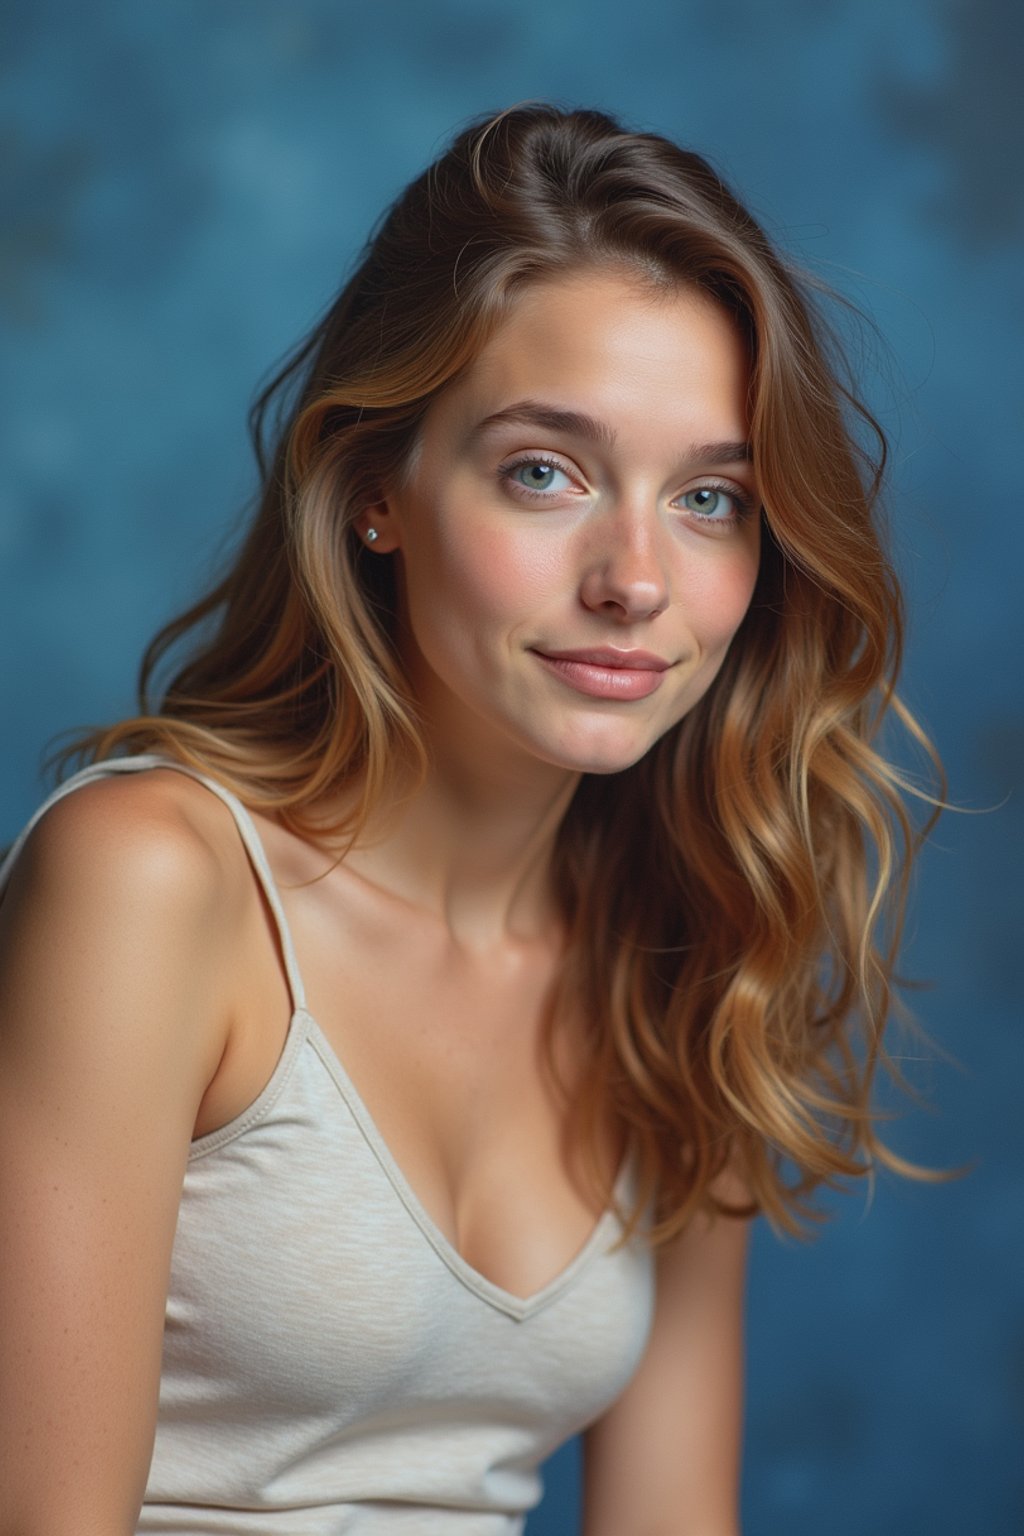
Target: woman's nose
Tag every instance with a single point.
(626, 575)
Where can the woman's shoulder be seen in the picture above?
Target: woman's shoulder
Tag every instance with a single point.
(151, 854)
(158, 828)
(123, 932)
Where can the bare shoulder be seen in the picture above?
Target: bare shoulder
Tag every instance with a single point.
(152, 850)
(121, 912)
(159, 827)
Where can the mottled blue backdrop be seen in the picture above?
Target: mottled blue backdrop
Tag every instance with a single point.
(185, 184)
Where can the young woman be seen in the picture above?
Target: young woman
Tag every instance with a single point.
(403, 1014)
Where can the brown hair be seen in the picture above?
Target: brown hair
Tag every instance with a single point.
(733, 899)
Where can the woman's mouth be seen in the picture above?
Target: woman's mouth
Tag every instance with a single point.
(607, 673)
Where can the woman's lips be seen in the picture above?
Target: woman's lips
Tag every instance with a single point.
(607, 674)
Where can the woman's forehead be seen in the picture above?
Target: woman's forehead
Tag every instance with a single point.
(609, 354)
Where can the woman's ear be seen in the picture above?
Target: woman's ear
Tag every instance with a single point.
(377, 529)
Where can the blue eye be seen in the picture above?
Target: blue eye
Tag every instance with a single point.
(535, 475)
(714, 506)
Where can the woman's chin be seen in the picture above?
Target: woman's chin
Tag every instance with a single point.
(603, 755)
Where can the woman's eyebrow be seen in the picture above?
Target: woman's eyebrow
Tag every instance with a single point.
(554, 418)
(721, 453)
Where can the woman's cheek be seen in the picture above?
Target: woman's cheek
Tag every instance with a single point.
(503, 576)
(720, 594)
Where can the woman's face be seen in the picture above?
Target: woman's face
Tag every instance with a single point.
(578, 538)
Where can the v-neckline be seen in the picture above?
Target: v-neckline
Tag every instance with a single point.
(303, 1024)
(518, 1307)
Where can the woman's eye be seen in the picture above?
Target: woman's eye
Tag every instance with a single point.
(714, 506)
(537, 475)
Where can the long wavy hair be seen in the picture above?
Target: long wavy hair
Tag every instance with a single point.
(733, 900)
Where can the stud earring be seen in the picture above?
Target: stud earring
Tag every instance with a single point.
(372, 535)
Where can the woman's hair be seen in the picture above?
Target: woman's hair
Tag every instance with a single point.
(733, 899)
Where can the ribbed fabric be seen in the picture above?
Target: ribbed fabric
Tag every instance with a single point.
(331, 1364)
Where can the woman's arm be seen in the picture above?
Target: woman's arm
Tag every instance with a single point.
(111, 1002)
(664, 1460)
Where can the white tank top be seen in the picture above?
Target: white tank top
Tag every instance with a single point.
(331, 1365)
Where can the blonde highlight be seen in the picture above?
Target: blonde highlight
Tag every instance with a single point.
(733, 901)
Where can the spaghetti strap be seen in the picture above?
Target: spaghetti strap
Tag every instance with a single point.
(243, 821)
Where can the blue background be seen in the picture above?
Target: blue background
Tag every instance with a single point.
(189, 180)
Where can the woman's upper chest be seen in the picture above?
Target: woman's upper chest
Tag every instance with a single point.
(443, 1047)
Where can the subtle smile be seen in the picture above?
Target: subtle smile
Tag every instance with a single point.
(606, 673)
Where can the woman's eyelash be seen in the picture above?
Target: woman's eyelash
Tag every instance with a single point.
(506, 472)
(743, 503)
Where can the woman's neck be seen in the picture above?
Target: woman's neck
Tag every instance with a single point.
(472, 848)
